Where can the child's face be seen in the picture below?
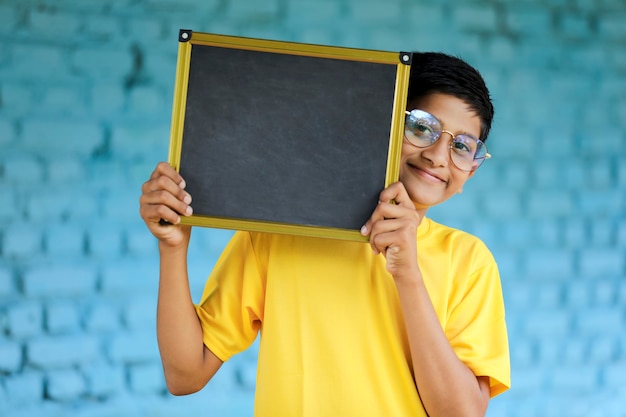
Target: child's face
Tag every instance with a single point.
(428, 174)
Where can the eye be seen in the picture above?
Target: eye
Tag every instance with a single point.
(422, 129)
(464, 146)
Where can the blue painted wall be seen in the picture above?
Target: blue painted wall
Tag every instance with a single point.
(85, 104)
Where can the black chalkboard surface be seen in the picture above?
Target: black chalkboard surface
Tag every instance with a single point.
(282, 137)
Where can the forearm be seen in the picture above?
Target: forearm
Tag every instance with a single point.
(178, 327)
(446, 385)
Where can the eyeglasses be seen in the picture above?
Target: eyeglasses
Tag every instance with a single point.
(422, 129)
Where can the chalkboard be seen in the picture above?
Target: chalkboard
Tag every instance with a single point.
(285, 137)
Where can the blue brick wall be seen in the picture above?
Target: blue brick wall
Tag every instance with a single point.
(85, 105)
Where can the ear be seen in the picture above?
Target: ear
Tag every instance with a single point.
(470, 175)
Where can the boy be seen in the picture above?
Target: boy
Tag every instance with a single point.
(411, 324)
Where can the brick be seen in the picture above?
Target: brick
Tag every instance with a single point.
(136, 140)
(140, 242)
(148, 27)
(102, 27)
(63, 100)
(546, 265)
(243, 9)
(65, 384)
(107, 174)
(61, 317)
(615, 374)
(140, 313)
(603, 351)
(601, 262)
(578, 295)
(574, 352)
(22, 169)
(7, 282)
(549, 351)
(8, 19)
(515, 175)
(528, 22)
(599, 320)
(575, 26)
(81, 138)
(102, 63)
(104, 380)
(104, 240)
(62, 351)
(25, 320)
(517, 233)
(602, 233)
(102, 318)
(147, 101)
(600, 202)
(66, 170)
(24, 389)
(130, 276)
(134, 348)
(477, 17)
(550, 203)
(549, 323)
(575, 380)
(10, 356)
(19, 98)
(371, 11)
(574, 233)
(54, 23)
(611, 27)
(49, 204)
(7, 133)
(611, 136)
(64, 240)
(550, 296)
(27, 61)
(503, 204)
(161, 68)
(146, 379)
(121, 204)
(312, 12)
(107, 98)
(59, 280)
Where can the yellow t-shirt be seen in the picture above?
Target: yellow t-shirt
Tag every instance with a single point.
(333, 341)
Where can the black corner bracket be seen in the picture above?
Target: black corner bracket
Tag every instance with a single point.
(184, 35)
(406, 58)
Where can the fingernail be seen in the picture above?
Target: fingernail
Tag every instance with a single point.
(364, 230)
(182, 184)
(188, 211)
(187, 199)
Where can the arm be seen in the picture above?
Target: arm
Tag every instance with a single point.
(446, 385)
(187, 364)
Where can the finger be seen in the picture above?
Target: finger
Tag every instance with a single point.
(165, 169)
(396, 193)
(164, 183)
(168, 200)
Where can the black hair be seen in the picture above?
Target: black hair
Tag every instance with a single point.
(435, 72)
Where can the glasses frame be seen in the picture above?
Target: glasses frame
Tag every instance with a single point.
(453, 136)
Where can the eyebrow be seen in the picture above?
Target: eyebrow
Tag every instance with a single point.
(460, 132)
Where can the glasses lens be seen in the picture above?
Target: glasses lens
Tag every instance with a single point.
(467, 152)
(422, 129)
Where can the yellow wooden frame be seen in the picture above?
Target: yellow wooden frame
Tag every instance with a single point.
(187, 40)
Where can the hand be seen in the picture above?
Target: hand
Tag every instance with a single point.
(392, 230)
(163, 197)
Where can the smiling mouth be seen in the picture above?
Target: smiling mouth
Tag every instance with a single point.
(426, 174)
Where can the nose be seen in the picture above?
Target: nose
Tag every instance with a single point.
(439, 152)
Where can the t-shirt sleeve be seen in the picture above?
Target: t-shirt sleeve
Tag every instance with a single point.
(231, 307)
(477, 330)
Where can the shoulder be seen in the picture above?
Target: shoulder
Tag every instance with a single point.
(443, 233)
